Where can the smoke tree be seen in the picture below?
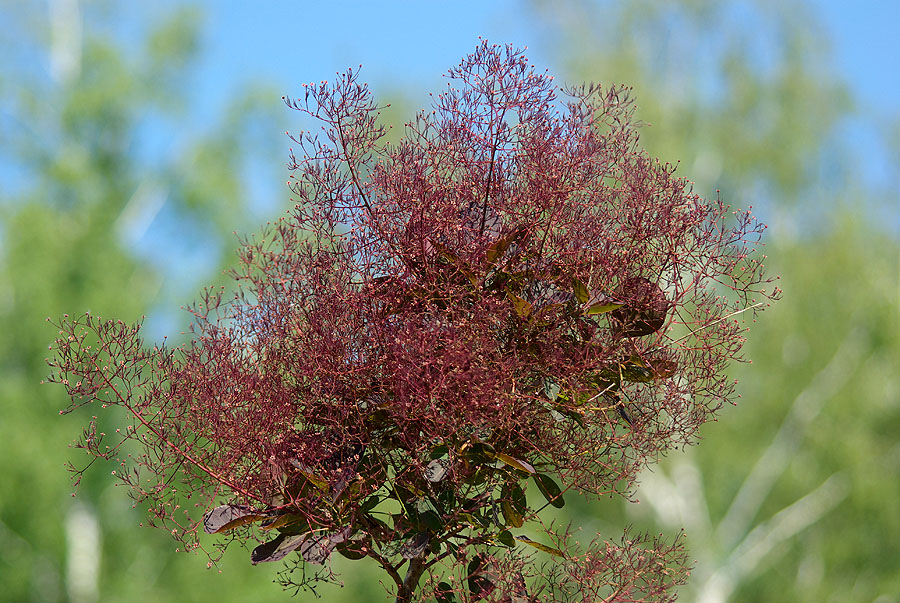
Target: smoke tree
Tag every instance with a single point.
(444, 338)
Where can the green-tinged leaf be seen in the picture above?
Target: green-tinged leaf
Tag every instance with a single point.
(404, 522)
(440, 451)
(539, 546)
(228, 517)
(517, 498)
(430, 520)
(602, 308)
(415, 489)
(474, 520)
(516, 463)
(373, 473)
(636, 370)
(407, 497)
(566, 399)
(522, 307)
(318, 482)
(549, 489)
(446, 499)
(444, 593)
(580, 291)
(485, 471)
(285, 521)
(506, 538)
(606, 380)
(511, 515)
(561, 413)
(499, 247)
(480, 452)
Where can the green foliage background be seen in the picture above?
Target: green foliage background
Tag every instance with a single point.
(819, 416)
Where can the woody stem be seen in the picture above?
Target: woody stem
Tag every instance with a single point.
(411, 581)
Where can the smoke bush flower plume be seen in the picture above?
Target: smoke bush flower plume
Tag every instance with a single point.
(444, 337)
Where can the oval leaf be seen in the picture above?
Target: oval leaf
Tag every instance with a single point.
(517, 496)
(437, 470)
(474, 521)
(444, 593)
(506, 538)
(485, 449)
(636, 370)
(511, 515)
(353, 549)
(480, 585)
(549, 489)
(316, 548)
(431, 520)
(516, 463)
(539, 546)
(276, 550)
(499, 247)
(580, 291)
(307, 472)
(284, 521)
(228, 517)
(602, 308)
(439, 451)
(522, 307)
(415, 546)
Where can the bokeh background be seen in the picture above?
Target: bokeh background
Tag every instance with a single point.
(135, 140)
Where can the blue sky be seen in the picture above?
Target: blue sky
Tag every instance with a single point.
(408, 46)
(866, 49)
(404, 42)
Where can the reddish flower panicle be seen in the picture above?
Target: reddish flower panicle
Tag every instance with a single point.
(515, 294)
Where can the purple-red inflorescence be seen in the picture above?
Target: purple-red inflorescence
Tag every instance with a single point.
(515, 290)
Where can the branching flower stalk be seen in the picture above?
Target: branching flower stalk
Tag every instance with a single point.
(443, 338)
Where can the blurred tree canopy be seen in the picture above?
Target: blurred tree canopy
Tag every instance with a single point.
(740, 93)
(790, 497)
(87, 176)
